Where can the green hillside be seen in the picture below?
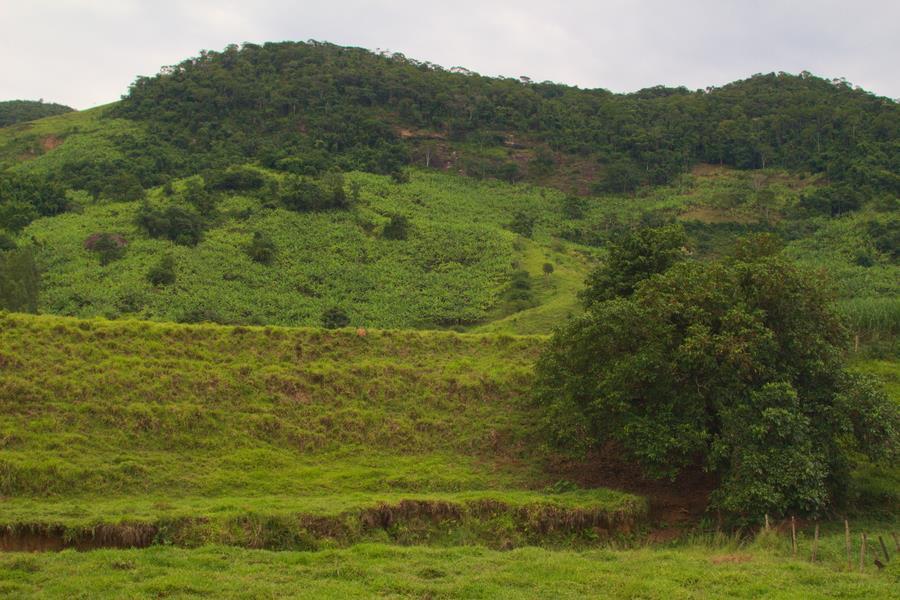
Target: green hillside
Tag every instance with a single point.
(196, 433)
(290, 297)
(457, 262)
(488, 179)
(22, 111)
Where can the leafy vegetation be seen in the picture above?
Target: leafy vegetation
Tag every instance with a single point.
(734, 364)
(21, 111)
(19, 280)
(352, 104)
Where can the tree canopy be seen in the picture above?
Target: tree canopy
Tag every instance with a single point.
(307, 107)
(735, 366)
(21, 111)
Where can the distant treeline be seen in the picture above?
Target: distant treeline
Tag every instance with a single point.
(21, 111)
(309, 107)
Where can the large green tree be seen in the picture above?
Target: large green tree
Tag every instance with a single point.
(735, 366)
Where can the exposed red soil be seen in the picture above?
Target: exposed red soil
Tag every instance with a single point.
(50, 142)
(91, 242)
(50, 538)
(674, 505)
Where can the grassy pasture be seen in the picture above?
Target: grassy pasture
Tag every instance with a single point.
(375, 570)
(156, 425)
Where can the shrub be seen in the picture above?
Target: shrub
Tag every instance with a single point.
(523, 224)
(261, 248)
(548, 268)
(831, 200)
(181, 225)
(301, 194)
(163, 272)
(15, 215)
(397, 228)
(400, 176)
(197, 194)
(6, 242)
(238, 179)
(123, 186)
(108, 246)
(632, 258)
(335, 318)
(518, 294)
(574, 207)
(19, 280)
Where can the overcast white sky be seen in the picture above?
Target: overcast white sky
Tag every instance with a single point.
(86, 52)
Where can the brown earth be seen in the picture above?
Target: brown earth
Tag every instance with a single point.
(50, 142)
(675, 506)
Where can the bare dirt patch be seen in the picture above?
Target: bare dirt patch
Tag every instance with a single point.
(43, 538)
(675, 506)
(50, 142)
(708, 170)
(705, 214)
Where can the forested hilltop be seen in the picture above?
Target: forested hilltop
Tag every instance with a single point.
(361, 110)
(309, 107)
(21, 111)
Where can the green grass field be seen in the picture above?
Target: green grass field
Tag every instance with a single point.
(159, 425)
(371, 570)
(397, 464)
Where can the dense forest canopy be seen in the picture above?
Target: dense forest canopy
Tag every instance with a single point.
(309, 106)
(21, 111)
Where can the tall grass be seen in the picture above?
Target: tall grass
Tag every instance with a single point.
(870, 316)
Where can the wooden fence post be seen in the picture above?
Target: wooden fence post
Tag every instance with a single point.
(849, 548)
(815, 547)
(794, 536)
(862, 554)
(887, 557)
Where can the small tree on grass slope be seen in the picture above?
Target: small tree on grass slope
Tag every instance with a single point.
(735, 365)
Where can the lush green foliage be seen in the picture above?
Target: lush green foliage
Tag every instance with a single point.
(21, 111)
(353, 104)
(19, 280)
(163, 272)
(450, 269)
(23, 199)
(734, 364)
(261, 248)
(233, 188)
(632, 259)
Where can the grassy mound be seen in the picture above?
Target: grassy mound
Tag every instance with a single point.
(134, 432)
